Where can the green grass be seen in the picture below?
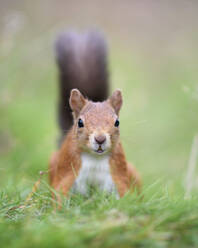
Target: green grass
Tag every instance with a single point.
(158, 123)
(159, 220)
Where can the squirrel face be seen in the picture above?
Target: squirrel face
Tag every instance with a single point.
(96, 124)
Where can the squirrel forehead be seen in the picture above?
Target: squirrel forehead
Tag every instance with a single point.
(94, 111)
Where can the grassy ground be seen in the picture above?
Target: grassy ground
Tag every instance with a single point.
(158, 123)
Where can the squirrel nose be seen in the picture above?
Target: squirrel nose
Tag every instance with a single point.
(100, 139)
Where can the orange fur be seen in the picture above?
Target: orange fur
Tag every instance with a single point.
(99, 119)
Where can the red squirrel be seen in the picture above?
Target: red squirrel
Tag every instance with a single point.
(91, 153)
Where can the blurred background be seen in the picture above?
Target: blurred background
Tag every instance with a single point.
(153, 58)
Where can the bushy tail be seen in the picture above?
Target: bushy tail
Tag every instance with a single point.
(82, 63)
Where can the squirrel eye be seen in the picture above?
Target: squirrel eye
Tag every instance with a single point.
(117, 123)
(80, 123)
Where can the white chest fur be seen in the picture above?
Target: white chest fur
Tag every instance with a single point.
(95, 171)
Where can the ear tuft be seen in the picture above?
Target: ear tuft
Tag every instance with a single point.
(116, 100)
(76, 101)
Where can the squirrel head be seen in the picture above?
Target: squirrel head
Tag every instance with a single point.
(96, 124)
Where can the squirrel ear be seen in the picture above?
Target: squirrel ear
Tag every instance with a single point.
(76, 101)
(116, 100)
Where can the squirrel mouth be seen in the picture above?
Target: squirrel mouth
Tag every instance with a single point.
(99, 150)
